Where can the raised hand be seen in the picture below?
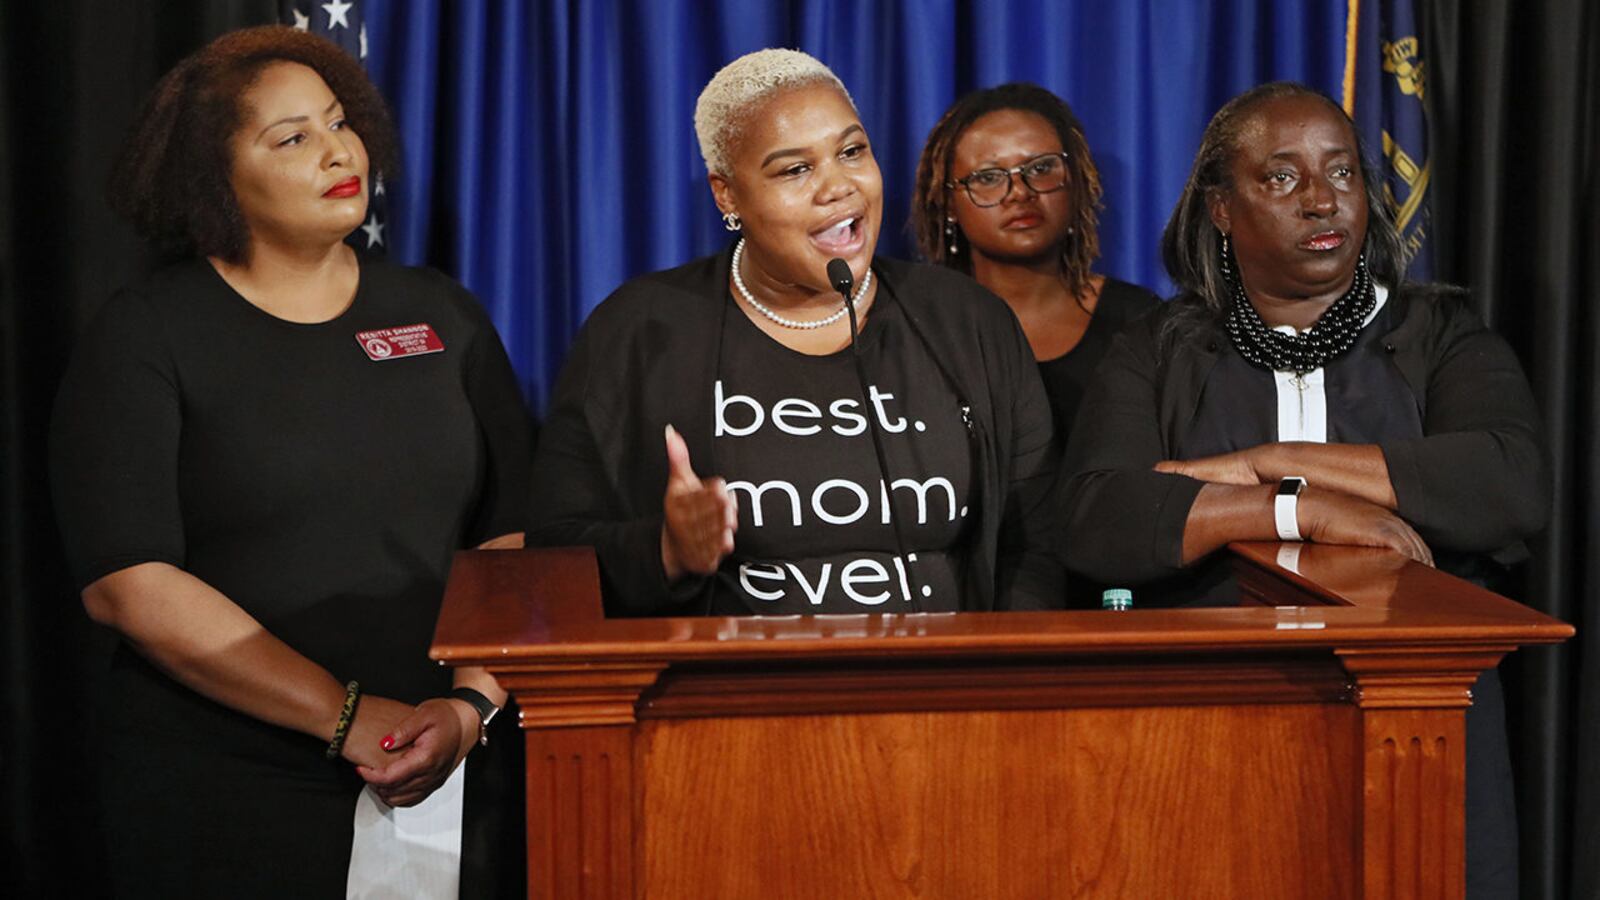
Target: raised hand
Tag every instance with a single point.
(699, 517)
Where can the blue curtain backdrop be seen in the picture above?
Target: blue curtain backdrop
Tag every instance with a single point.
(550, 151)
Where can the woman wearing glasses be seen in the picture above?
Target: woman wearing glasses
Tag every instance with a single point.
(728, 445)
(1007, 193)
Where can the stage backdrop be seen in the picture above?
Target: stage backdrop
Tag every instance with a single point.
(551, 153)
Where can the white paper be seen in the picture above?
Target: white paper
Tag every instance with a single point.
(408, 853)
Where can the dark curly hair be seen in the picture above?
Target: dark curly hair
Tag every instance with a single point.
(930, 203)
(1190, 244)
(173, 180)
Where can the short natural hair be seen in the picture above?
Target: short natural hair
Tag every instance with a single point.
(173, 179)
(930, 203)
(739, 86)
(1190, 245)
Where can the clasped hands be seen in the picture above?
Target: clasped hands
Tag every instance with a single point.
(405, 752)
(699, 517)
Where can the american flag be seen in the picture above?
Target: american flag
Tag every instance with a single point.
(342, 22)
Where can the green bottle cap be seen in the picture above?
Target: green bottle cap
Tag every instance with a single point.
(1117, 598)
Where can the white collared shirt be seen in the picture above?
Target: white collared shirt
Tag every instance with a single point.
(1303, 399)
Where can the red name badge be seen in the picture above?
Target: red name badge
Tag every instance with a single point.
(396, 343)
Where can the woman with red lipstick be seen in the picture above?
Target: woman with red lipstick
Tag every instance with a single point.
(263, 459)
(904, 468)
(1298, 389)
(1008, 193)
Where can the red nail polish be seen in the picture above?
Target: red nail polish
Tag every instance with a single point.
(387, 742)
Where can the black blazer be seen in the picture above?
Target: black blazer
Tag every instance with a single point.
(1474, 482)
(647, 357)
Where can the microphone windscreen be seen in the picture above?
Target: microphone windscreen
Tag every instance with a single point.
(839, 274)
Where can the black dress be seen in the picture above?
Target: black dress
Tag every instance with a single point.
(320, 482)
(1067, 376)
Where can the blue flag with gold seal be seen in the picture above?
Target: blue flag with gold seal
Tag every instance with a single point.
(1384, 84)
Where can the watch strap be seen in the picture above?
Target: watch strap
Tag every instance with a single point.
(485, 707)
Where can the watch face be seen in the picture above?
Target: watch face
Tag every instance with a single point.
(1290, 487)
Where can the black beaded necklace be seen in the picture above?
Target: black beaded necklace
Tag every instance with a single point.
(1333, 334)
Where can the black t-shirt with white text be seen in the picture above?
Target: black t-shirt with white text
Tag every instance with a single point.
(791, 438)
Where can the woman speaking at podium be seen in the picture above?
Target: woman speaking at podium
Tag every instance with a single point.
(733, 439)
(1299, 390)
(263, 459)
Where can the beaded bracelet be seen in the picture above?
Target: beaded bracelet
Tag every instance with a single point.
(352, 699)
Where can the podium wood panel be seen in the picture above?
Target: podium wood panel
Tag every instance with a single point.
(580, 787)
(1067, 803)
(1307, 743)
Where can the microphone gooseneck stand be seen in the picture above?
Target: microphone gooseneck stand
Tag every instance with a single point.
(843, 281)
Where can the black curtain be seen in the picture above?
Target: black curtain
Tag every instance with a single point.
(1514, 95)
(72, 76)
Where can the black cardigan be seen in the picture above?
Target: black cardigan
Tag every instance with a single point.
(647, 357)
(1474, 482)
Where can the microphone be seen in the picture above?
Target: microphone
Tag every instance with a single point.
(844, 282)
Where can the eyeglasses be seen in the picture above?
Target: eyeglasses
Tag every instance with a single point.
(988, 187)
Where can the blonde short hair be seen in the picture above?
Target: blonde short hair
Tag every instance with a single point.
(740, 85)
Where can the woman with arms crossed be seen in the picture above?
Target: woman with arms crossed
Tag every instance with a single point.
(911, 477)
(1298, 389)
(263, 459)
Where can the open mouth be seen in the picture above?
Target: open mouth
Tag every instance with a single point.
(1324, 240)
(840, 238)
(347, 188)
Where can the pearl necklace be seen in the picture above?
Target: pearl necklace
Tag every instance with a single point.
(738, 282)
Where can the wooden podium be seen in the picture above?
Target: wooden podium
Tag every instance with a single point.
(1306, 743)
